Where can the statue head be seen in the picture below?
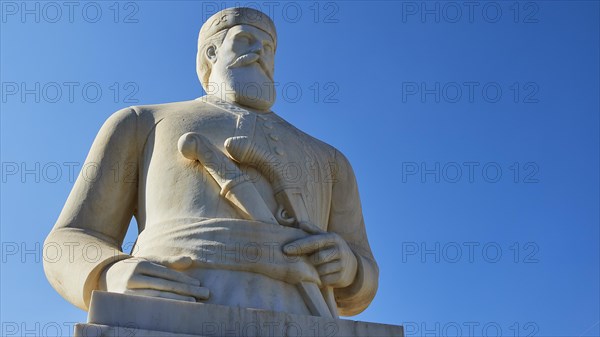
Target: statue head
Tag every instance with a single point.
(236, 51)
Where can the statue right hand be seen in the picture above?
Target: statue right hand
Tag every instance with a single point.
(137, 276)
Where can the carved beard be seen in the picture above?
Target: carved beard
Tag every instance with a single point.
(248, 59)
(249, 83)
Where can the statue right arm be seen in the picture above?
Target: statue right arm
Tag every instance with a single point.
(92, 225)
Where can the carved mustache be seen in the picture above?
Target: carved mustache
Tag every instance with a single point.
(248, 59)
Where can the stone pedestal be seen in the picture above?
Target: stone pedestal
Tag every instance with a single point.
(117, 315)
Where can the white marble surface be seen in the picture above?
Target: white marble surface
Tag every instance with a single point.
(124, 315)
(234, 205)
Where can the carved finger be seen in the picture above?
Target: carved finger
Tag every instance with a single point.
(331, 279)
(329, 268)
(174, 262)
(325, 256)
(153, 269)
(147, 282)
(160, 294)
(309, 244)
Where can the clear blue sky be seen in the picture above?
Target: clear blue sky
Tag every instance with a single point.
(473, 129)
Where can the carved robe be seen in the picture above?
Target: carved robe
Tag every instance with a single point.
(180, 212)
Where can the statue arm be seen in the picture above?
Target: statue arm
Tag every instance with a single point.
(92, 225)
(346, 220)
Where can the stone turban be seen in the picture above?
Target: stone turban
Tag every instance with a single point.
(234, 16)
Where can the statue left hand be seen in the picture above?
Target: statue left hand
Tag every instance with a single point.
(330, 254)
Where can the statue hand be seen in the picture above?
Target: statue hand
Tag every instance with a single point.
(330, 254)
(141, 276)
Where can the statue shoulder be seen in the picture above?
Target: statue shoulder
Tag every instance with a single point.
(132, 124)
(341, 166)
(153, 113)
(139, 120)
(334, 153)
(159, 111)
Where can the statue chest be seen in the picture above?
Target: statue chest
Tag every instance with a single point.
(276, 156)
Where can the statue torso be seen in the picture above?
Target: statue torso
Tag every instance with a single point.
(172, 187)
(181, 212)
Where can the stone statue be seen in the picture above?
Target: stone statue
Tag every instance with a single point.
(234, 205)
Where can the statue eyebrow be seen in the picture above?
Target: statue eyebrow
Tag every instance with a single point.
(268, 40)
(244, 33)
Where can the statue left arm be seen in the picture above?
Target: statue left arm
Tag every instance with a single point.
(346, 220)
(342, 256)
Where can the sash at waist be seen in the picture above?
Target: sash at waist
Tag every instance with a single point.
(230, 244)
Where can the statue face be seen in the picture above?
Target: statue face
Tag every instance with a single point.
(243, 66)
